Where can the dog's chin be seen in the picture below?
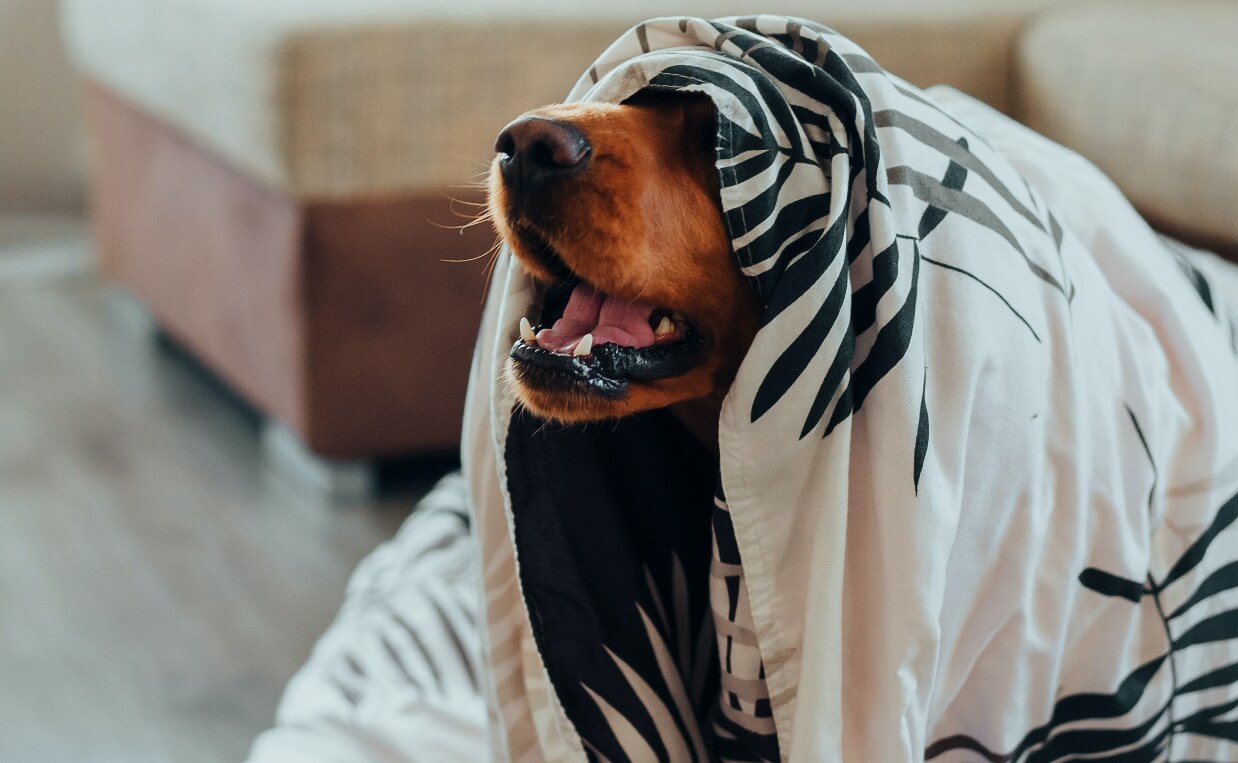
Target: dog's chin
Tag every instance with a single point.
(567, 398)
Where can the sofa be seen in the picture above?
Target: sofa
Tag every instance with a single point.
(282, 184)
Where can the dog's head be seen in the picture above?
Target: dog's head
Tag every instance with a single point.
(614, 208)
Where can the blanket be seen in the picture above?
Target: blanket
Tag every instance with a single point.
(978, 472)
(396, 678)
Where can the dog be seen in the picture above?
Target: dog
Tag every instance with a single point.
(614, 209)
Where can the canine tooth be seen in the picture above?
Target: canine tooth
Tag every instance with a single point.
(526, 332)
(584, 346)
(665, 326)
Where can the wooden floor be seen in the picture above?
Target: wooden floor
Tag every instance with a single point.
(156, 590)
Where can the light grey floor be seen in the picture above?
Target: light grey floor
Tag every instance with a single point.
(156, 590)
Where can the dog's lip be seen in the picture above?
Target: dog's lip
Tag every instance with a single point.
(608, 369)
(544, 368)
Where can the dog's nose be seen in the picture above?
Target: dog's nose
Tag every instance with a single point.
(537, 149)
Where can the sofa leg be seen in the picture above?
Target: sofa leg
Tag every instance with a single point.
(290, 462)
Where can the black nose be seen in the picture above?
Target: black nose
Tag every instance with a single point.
(537, 149)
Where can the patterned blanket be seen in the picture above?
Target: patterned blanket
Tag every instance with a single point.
(976, 491)
(978, 471)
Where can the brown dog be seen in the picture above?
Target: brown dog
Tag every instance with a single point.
(615, 210)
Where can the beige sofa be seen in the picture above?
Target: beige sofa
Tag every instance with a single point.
(269, 176)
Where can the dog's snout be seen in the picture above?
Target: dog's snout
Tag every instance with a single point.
(537, 149)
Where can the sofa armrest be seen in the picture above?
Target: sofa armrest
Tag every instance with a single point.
(1148, 91)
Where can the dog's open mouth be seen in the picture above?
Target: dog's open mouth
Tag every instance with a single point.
(588, 340)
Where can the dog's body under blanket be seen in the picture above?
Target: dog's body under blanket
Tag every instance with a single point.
(979, 474)
(980, 471)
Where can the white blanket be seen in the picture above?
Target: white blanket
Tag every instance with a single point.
(980, 464)
(978, 473)
(396, 678)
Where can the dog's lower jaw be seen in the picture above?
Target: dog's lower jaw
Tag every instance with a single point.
(556, 406)
(698, 413)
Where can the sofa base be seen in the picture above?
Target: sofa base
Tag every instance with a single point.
(338, 318)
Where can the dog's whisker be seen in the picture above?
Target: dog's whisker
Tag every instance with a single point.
(481, 219)
(459, 228)
(466, 201)
(474, 218)
(477, 217)
(471, 160)
(491, 253)
(489, 269)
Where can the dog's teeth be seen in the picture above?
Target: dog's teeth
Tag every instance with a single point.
(526, 332)
(666, 327)
(584, 346)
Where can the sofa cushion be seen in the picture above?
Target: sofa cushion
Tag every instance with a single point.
(326, 99)
(1148, 91)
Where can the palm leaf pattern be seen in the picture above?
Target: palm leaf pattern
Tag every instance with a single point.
(1159, 700)
(635, 587)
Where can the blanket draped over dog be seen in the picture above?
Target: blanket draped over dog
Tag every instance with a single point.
(978, 472)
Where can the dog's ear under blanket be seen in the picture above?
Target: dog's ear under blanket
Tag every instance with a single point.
(976, 480)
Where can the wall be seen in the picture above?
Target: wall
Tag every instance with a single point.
(41, 137)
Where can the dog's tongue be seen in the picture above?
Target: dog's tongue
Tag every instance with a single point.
(610, 320)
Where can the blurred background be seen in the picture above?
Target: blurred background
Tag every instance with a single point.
(234, 342)
(42, 149)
